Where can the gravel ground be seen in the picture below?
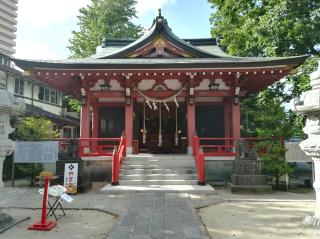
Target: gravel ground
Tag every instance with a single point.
(258, 220)
(78, 224)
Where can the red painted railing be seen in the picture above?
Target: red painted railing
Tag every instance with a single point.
(221, 147)
(199, 158)
(92, 147)
(118, 155)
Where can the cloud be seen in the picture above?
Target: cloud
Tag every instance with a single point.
(144, 6)
(44, 26)
(36, 51)
(42, 13)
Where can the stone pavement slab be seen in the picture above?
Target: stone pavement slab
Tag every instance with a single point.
(158, 215)
(124, 189)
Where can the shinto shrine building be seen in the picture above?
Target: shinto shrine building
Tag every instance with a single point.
(160, 89)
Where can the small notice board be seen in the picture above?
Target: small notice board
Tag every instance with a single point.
(36, 152)
(71, 177)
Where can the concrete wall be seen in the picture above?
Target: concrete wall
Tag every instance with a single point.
(99, 171)
(218, 170)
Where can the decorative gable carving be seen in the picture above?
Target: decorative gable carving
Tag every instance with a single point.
(159, 47)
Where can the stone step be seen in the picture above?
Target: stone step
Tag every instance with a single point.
(159, 177)
(155, 166)
(159, 163)
(158, 171)
(194, 189)
(160, 157)
(158, 160)
(158, 182)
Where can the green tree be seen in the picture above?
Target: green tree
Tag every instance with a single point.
(103, 19)
(270, 28)
(267, 27)
(33, 129)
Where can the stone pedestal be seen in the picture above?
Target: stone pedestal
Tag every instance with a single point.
(1, 170)
(309, 104)
(8, 105)
(247, 177)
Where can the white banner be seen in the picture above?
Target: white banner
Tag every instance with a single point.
(71, 177)
(36, 151)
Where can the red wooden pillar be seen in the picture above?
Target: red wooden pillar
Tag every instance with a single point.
(227, 122)
(235, 120)
(85, 121)
(95, 121)
(129, 126)
(191, 118)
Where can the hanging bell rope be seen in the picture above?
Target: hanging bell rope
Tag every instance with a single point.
(144, 133)
(176, 134)
(160, 127)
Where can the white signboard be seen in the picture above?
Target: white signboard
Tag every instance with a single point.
(71, 177)
(36, 152)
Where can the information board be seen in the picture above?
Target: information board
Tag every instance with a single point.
(36, 152)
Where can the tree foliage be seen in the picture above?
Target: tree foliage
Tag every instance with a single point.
(103, 19)
(35, 129)
(267, 27)
(270, 28)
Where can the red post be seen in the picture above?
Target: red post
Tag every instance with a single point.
(85, 121)
(115, 166)
(95, 121)
(235, 120)
(44, 225)
(201, 169)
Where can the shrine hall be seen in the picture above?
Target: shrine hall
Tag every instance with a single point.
(160, 90)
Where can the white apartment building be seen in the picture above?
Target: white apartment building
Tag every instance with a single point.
(8, 22)
(40, 99)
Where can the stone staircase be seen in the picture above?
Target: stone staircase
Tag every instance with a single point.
(158, 173)
(158, 170)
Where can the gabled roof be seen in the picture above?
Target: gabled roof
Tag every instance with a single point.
(183, 53)
(124, 48)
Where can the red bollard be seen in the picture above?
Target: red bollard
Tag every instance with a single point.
(44, 225)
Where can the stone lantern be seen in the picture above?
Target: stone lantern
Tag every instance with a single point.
(309, 104)
(8, 105)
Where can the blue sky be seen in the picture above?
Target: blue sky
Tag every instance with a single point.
(44, 26)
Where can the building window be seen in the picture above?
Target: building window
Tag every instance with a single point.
(19, 86)
(49, 95)
(4, 60)
(3, 80)
(103, 125)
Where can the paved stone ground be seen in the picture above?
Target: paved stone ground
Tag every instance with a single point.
(157, 216)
